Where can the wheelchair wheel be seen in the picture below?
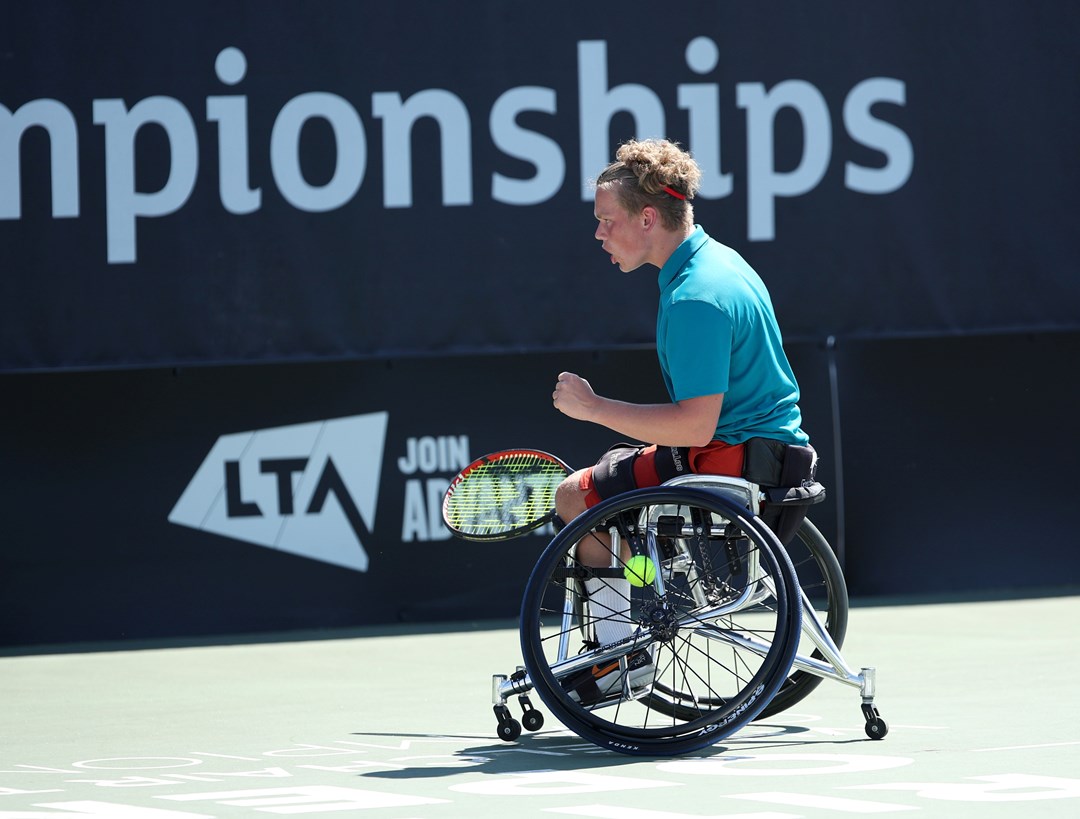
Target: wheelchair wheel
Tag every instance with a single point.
(822, 581)
(718, 625)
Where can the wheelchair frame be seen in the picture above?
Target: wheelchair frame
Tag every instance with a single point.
(726, 500)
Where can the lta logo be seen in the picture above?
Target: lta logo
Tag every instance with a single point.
(308, 489)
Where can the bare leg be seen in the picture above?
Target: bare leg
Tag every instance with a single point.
(609, 598)
(569, 503)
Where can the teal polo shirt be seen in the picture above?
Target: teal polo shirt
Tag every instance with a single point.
(716, 332)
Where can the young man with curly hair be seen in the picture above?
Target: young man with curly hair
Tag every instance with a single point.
(719, 347)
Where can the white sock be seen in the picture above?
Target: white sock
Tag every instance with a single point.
(609, 602)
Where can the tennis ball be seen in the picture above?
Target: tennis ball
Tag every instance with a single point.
(640, 571)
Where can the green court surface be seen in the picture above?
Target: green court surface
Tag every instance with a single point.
(982, 701)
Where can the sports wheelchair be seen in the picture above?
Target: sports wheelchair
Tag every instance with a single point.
(737, 627)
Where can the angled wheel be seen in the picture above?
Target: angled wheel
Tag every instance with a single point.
(719, 621)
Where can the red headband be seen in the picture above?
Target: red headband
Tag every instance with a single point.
(673, 192)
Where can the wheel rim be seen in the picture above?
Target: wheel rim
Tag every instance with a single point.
(718, 659)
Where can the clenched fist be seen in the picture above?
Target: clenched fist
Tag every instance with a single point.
(574, 396)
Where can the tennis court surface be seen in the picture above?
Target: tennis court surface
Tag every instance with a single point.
(981, 698)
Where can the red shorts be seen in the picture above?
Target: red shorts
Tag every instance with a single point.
(636, 467)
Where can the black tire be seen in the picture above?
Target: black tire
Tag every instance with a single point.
(721, 642)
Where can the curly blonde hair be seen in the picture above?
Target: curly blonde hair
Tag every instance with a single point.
(641, 172)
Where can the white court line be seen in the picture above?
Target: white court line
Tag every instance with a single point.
(833, 803)
(613, 812)
(920, 727)
(1026, 747)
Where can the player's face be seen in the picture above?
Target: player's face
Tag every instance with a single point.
(622, 234)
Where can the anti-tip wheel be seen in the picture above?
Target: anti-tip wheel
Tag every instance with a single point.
(876, 728)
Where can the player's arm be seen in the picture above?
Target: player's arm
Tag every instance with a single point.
(690, 422)
(698, 339)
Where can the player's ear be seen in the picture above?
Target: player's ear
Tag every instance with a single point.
(649, 216)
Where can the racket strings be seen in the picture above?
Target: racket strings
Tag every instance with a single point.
(504, 495)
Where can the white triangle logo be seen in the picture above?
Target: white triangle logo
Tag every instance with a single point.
(308, 489)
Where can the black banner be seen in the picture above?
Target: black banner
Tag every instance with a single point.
(199, 182)
(154, 503)
(146, 504)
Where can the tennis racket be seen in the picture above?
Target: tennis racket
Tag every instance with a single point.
(503, 495)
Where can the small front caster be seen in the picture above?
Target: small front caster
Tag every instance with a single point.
(509, 730)
(533, 720)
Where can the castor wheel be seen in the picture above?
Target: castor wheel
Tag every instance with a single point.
(532, 720)
(509, 730)
(876, 727)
